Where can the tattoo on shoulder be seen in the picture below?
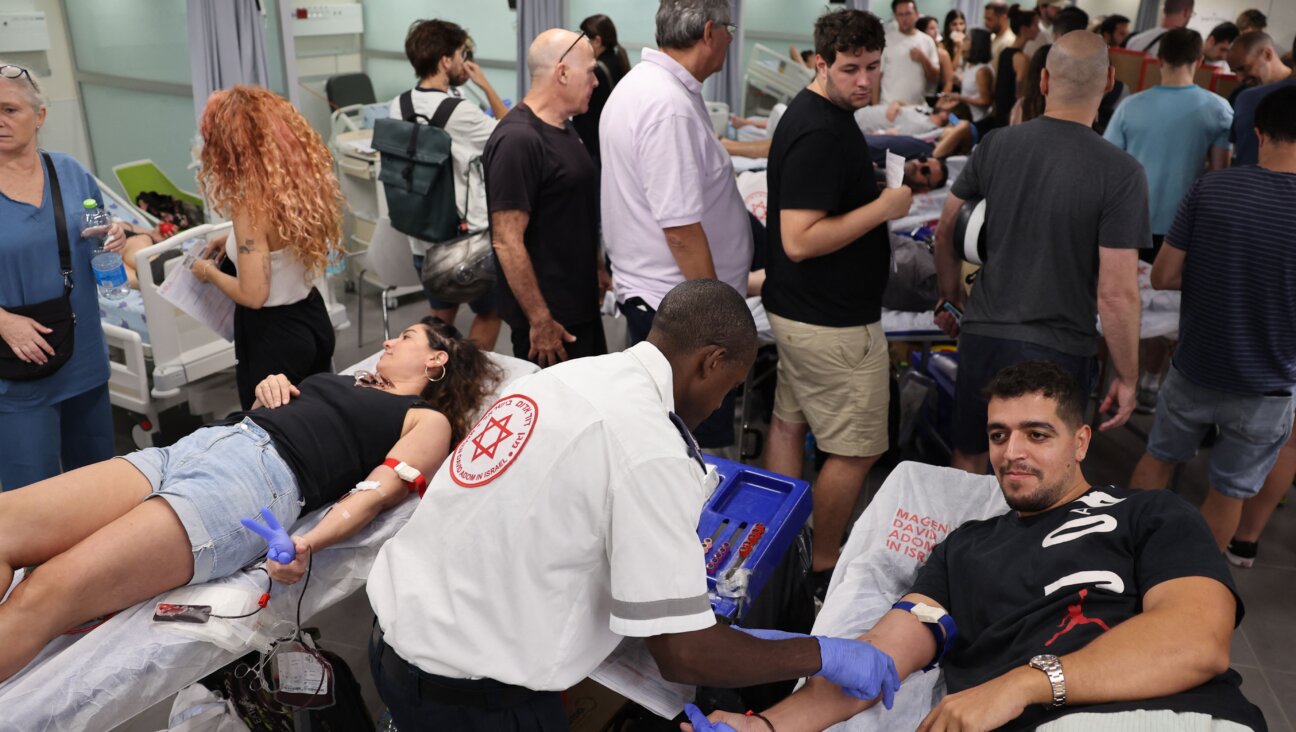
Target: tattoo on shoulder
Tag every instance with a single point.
(246, 246)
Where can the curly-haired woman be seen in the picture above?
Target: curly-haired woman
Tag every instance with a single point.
(270, 173)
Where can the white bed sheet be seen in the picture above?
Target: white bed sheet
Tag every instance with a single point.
(99, 679)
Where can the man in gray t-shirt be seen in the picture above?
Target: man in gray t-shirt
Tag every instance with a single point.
(1066, 213)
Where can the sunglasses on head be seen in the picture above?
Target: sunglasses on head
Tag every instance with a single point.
(580, 34)
(9, 71)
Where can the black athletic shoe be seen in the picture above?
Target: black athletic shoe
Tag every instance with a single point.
(1242, 553)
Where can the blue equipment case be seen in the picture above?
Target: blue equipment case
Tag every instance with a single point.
(748, 496)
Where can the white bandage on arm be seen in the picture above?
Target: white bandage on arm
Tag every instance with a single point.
(366, 485)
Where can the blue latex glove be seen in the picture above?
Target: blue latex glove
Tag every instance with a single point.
(281, 545)
(860, 669)
(700, 722)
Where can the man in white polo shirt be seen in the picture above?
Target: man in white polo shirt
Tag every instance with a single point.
(671, 207)
(565, 520)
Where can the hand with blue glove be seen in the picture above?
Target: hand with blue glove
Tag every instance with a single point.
(281, 547)
(859, 668)
(701, 724)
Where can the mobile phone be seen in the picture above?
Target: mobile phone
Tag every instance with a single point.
(171, 613)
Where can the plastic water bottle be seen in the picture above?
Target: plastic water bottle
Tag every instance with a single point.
(109, 271)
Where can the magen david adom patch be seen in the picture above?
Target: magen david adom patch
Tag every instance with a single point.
(494, 442)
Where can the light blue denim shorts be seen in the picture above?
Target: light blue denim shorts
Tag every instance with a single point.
(1252, 429)
(211, 479)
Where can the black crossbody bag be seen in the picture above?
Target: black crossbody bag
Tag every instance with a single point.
(55, 314)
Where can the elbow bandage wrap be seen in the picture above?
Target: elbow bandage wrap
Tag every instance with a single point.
(409, 475)
(939, 622)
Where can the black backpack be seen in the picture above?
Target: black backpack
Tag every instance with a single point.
(417, 172)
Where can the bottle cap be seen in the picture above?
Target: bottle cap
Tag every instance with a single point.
(90, 203)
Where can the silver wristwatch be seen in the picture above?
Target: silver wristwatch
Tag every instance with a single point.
(1052, 667)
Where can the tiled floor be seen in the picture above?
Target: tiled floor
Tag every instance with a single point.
(1264, 647)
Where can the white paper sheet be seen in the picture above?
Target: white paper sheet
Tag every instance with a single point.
(631, 672)
(202, 302)
(894, 170)
(363, 146)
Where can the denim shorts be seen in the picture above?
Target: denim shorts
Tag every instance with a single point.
(1252, 429)
(211, 479)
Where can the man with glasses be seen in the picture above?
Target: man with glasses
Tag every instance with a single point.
(671, 207)
(1174, 14)
(542, 192)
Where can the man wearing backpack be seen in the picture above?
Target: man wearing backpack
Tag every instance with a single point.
(439, 52)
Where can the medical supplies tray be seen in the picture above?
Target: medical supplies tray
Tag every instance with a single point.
(745, 498)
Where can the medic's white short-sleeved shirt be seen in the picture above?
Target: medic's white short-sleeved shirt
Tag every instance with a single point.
(565, 520)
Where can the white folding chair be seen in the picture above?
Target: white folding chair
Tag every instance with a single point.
(388, 263)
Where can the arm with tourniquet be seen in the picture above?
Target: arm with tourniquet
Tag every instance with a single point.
(423, 446)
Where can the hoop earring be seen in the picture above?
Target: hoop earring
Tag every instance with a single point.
(442, 376)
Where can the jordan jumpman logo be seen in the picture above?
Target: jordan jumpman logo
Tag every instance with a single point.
(1075, 616)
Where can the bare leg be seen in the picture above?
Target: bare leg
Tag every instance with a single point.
(39, 521)
(1156, 355)
(956, 140)
(485, 331)
(1258, 508)
(835, 492)
(1222, 515)
(977, 463)
(1151, 473)
(785, 451)
(134, 243)
(130, 560)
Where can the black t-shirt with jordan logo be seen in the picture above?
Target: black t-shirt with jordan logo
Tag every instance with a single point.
(1053, 582)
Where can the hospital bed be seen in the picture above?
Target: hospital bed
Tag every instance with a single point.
(159, 355)
(101, 678)
(771, 77)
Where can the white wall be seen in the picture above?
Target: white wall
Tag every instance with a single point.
(64, 129)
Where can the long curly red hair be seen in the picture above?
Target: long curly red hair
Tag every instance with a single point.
(262, 160)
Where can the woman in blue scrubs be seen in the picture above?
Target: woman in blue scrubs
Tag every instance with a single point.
(62, 421)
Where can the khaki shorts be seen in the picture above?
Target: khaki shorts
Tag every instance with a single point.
(837, 381)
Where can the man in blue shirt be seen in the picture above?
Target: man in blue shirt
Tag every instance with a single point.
(1230, 252)
(1171, 128)
(1255, 60)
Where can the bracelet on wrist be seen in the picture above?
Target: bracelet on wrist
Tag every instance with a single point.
(761, 717)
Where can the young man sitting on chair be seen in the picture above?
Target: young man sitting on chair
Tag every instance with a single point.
(1082, 608)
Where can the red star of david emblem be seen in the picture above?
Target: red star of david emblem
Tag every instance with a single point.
(503, 434)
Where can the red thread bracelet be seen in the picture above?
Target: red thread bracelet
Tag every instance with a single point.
(761, 717)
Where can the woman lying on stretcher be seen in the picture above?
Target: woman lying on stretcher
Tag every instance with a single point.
(103, 546)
